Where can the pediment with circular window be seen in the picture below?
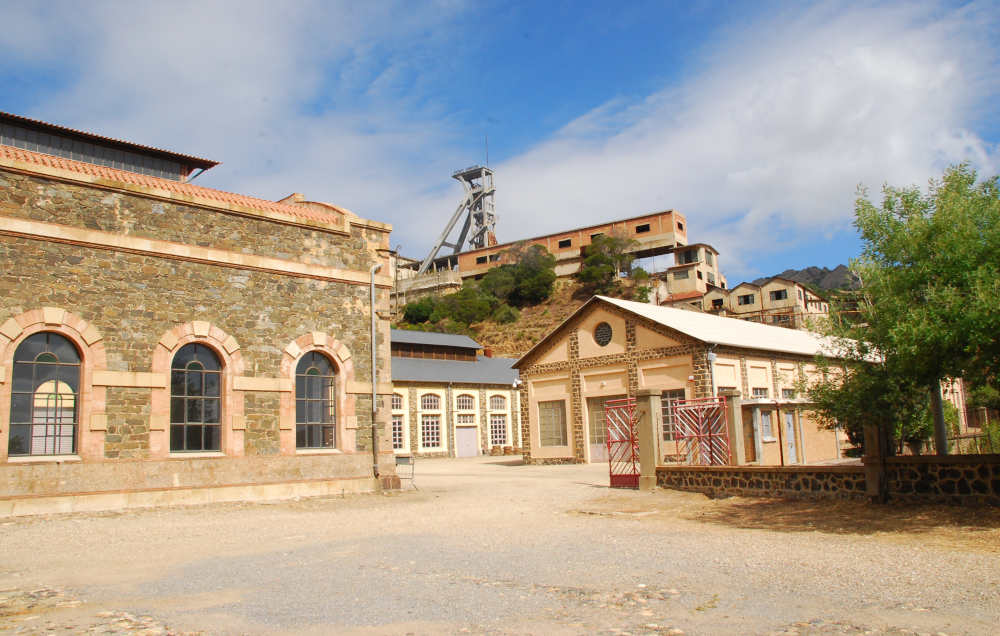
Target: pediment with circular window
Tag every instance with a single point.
(602, 334)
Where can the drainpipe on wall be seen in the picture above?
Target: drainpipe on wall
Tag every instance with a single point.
(373, 270)
(710, 357)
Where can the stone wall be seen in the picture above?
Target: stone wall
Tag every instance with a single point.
(799, 482)
(156, 271)
(952, 479)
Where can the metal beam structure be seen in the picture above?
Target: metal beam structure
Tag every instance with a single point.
(477, 208)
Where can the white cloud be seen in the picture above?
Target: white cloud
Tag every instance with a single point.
(776, 131)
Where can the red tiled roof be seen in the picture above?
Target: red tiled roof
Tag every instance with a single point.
(37, 123)
(179, 188)
(683, 296)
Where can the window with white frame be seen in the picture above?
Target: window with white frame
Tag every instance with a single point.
(430, 431)
(788, 394)
(466, 419)
(766, 430)
(465, 402)
(398, 441)
(667, 401)
(430, 402)
(552, 423)
(397, 402)
(498, 403)
(498, 430)
(758, 392)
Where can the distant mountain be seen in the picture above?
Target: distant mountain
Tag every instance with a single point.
(820, 277)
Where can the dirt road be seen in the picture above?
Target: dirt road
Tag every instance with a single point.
(489, 546)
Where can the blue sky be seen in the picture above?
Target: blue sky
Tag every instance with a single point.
(756, 121)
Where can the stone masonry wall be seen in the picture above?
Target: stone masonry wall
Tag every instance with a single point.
(805, 482)
(953, 479)
(79, 206)
(133, 298)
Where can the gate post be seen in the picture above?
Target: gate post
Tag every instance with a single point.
(734, 414)
(650, 423)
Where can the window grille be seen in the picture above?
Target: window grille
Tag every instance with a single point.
(397, 432)
(315, 402)
(667, 401)
(397, 402)
(788, 394)
(498, 430)
(430, 402)
(195, 400)
(45, 396)
(465, 402)
(498, 403)
(466, 419)
(758, 392)
(552, 423)
(765, 424)
(430, 431)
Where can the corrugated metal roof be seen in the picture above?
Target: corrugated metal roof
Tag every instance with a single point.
(483, 371)
(730, 331)
(196, 161)
(712, 329)
(433, 338)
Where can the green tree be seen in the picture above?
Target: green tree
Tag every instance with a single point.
(604, 260)
(419, 311)
(930, 276)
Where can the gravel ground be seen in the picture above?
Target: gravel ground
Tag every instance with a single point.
(490, 546)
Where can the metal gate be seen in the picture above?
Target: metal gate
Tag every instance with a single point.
(702, 431)
(623, 442)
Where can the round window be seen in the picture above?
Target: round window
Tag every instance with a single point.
(602, 334)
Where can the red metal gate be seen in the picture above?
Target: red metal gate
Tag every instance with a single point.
(623, 442)
(702, 430)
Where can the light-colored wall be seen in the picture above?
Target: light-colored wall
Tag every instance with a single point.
(589, 347)
(543, 389)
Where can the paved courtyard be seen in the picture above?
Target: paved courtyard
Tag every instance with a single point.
(490, 546)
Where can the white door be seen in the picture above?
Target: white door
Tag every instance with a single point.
(791, 455)
(466, 443)
(597, 429)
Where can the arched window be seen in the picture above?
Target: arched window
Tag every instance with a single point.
(45, 396)
(430, 402)
(315, 402)
(465, 402)
(195, 399)
(397, 402)
(498, 403)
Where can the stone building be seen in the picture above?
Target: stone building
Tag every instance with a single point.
(449, 400)
(610, 349)
(777, 301)
(165, 342)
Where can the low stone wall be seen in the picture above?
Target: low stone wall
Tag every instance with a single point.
(64, 486)
(953, 479)
(550, 461)
(800, 482)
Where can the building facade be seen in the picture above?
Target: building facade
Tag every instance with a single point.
(694, 274)
(165, 342)
(777, 301)
(449, 400)
(610, 349)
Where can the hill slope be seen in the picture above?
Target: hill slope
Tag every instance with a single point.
(515, 339)
(821, 277)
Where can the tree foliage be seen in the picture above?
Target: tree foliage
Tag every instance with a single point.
(604, 260)
(930, 275)
(527, 280)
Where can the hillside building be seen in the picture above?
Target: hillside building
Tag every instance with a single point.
(777, 301)
(165, 342)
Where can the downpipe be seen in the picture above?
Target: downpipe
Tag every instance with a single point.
(374, 269)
